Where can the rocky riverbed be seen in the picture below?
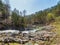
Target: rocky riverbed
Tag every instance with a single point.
(41, 35)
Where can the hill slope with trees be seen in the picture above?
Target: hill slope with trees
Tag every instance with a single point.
(19, 22)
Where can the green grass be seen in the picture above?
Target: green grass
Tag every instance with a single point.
(14, 44)
(11, 44)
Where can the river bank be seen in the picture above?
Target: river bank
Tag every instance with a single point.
(41, 34)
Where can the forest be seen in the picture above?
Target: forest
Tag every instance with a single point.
(19, 20)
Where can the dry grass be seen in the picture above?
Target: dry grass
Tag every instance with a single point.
(57, 31)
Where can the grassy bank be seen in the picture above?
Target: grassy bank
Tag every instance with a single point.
(57, 31)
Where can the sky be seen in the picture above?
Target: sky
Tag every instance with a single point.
(32, 6)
